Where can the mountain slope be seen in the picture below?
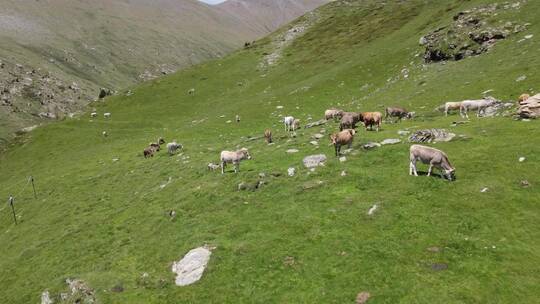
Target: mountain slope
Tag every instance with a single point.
(49, 45)
(102, 212)
(264, 16)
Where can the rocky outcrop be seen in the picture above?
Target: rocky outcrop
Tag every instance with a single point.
(529, 108)
(431, 135)
(471, 33)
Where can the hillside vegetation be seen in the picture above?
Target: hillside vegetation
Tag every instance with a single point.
(102, 210)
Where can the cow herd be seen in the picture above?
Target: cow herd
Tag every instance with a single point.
(436, 159)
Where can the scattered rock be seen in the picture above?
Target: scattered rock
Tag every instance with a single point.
(439, 266)
(315, 143)
(343, 159)
(403, 133)
(279, 107)
(117, 288)
(372, 210)
(471, 33)
(318, 136)
(362, 297)
(391, 141)
(292, 151)
(521, 78)
(522, 159)
(343, 173)
(525, 183)
(431, 135)
(312, 185)
(371, 145)
(191, 267)
(528, 36)
(315, 123)
(484, 190)
(104, 93)
(434, 249)
(291, 171)
(314, 160)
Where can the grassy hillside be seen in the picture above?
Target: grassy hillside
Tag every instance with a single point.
(111, 44)
(102, 211)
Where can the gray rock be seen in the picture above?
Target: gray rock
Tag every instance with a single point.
(521, 78)
(403, 133)
(292, 151)
(343, 173)
(313, 161)
(315, 143)
(431, 135)
(391, 141)
(371, 145)
(318, 136)
(191, 267)
(343, 159)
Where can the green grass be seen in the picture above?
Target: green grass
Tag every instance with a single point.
(105, 222)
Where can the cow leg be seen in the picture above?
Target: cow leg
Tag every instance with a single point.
(412, 167)
(222, 167)
(429, 170)
(336, 149)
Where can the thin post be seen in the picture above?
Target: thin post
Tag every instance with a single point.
(11, 200)
(33, 186)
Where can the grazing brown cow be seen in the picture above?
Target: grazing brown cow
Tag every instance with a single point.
(333, 114)
(268, 136)
(371, 119)
(349, 120)
(342, 138)
(398, 112)
(148, 152)
(154, 146)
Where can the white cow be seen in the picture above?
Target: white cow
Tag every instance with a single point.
(291, 124)
(479, 105)
(233, 157)
(434, 157)
(173, 146)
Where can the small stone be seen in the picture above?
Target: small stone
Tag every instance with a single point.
(521, 78)
(292, 151)
(291, 171)
(391, 141)
(528, 36)
(522, 159)
(318, 136)
(279, 107)
(228, 121)
(484, 190)
(371, 145)
(46, 298)
(439, 266)
(343, 173)
(362, 297)
(315, 143)
(525, 183)
(434, 249)
(403, 133)
(372, 210)
(262, 175)
(343, 159)
(115, 160)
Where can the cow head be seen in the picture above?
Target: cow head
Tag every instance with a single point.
(246, 153)
(450, 174)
